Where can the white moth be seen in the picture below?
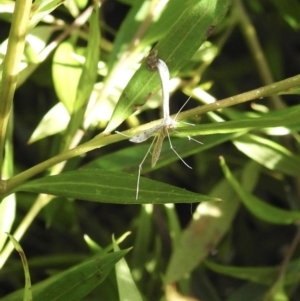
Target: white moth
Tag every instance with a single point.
(161, 129)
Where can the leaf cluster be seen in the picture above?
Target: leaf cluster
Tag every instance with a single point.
(228, 229)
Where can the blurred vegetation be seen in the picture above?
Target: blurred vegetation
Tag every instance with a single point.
(72, 73)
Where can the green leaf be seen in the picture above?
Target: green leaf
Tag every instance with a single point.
(202, 234)
(42, 8)
(143, 238)
(53, 122)
(126, 285)
(90, 66)
(210, 222)
(157, 29)
(128, 29)
(129, 158)
(184, 38)
(259, 208)
(7, 217)
(261, 275)
(289, 12)
(87, 78)
(285, 117)
(110, 187)
(36, 43)
(81, 3)
(75, 283)
(248, 292)
(173, 222)
(8, 204)
(269, 154)
(66, 72)
(27, 289)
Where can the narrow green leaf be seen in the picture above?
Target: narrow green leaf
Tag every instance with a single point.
(174, 10)
(203, 233)
(128, 159)
(126, 285)
(37, 40)
(143, 238)
(184, 38)
(157, 29)
(8, 204)
(277, 292)
(27, 290)
(42, 8)
(75, 283)
(173, 222)
(128, 29)
(66, 72)
(53, 122)
(111, 187)
(7, 217)
(248, 292)
(87, 78)
(210, 222)
(289, 12)
(259, 208)
(286, 117)
(90, 66)
(261, 275)
(269, 154)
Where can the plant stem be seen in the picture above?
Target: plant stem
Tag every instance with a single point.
(280, 87)
(283, 267)
(100, 140)
(258, 55)
(11, 64)
(12, 183)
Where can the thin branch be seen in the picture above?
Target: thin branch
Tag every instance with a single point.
(258, 55)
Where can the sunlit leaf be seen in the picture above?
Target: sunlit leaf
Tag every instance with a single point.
(269, 154)
(144, 233)
(177, 47)
(7, 217)
(66, 72)
(106, 187)
(42, 8)
(87, 78)
(210, 222)
(55, 121)
(202, 234)
(126, 285)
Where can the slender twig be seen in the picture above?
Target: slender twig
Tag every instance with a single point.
(259, 93)
(100, 140)
(283, 267)
(258, 55)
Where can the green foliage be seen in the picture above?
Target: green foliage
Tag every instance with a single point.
(71, 77)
